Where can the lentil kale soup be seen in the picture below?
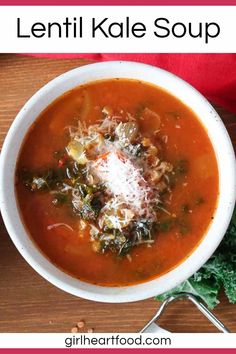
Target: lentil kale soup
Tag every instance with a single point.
(117, 182)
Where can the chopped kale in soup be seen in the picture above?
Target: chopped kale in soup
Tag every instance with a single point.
(117, 182)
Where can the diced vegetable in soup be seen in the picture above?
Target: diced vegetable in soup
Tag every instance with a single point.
(117, 182)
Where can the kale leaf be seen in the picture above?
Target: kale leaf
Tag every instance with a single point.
(218, 272)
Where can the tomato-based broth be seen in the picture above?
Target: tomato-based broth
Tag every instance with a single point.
(117, 182)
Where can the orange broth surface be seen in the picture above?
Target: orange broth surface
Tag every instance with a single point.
(185, 139)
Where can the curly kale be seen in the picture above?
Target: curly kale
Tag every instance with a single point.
(217, 273)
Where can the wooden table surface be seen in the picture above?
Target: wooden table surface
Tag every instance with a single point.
(28, 303)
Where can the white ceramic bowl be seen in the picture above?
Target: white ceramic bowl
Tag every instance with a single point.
(226, 164)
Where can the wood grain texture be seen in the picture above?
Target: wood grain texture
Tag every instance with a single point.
(28, 303)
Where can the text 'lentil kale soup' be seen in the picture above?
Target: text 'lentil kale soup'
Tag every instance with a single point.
(117, 182)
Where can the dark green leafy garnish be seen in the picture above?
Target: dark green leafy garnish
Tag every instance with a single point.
(90, 207)
(217, 273)
(71, 175)
(122, 242)
(165, 225)
(183, 225)
(113, 240)
(125, 248)
(96, 204)
(182, 167)
(118, 221)
(59, 198)
(41, 181)
(142, 230)
(135, 150)
(185, 208)
(84, 189)
(87, 212)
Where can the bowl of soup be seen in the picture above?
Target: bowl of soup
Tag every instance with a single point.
(117, 181)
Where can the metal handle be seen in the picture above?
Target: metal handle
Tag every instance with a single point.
(150, 326)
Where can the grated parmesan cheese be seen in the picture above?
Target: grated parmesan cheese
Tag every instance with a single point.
(53, 226)
(125, 182)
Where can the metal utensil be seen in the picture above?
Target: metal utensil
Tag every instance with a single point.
(152, 327)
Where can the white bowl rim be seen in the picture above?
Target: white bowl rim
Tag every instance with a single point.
(226, 164)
